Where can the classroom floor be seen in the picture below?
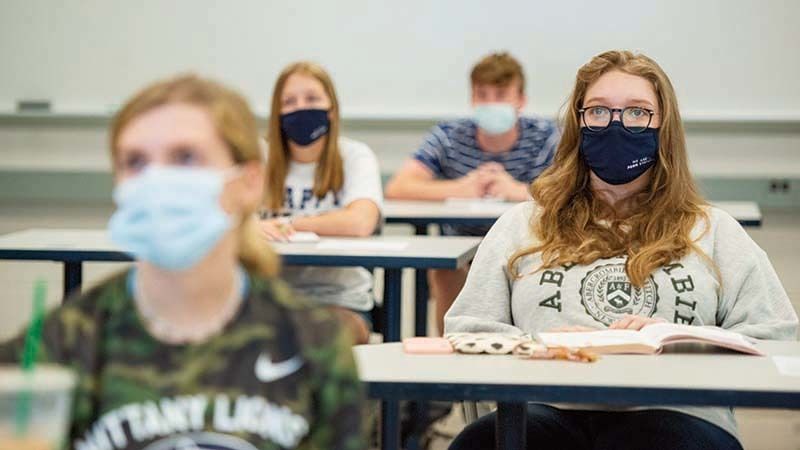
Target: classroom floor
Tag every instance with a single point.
(760, 429)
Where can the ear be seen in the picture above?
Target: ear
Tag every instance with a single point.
(252, 178)
(523, 100)
(473, 91)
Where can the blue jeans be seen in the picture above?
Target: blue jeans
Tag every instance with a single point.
(563, 429)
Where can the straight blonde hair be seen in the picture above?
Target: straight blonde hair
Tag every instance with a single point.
(235, 124)
(657, 230)
(329, 174)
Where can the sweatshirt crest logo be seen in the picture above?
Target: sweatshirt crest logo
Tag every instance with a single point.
(618, 294)
(607, 294)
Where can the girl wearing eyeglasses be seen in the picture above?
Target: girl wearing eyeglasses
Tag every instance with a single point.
(618, 237)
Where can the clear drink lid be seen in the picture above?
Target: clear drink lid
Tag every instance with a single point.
(44, 377)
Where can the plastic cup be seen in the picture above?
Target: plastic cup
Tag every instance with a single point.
(45, 396)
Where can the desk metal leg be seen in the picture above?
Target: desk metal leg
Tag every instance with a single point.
(73, 276)
(421, 303)
(421, 293)
(390, 409)
(510, 426)
(390, 425)
(419, 411)
(393, 279)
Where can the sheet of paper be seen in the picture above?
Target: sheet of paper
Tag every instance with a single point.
(357, 244)
(304, 236)
(486, 205)
(458, 201)
(787, 365)
(589, 338)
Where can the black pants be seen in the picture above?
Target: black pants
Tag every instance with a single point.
(562, 429)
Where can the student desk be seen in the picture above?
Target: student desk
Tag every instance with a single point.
(747, 213)
(700, 379)
(72, 247)
(469, 212)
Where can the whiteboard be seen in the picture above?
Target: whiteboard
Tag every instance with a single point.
(409, 58)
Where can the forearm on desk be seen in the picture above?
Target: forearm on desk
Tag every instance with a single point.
(358, 219)
(415, 189)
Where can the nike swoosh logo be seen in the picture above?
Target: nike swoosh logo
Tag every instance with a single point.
(267, 371)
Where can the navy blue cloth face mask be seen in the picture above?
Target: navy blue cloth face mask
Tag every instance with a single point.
(618, 156)
(305, 126)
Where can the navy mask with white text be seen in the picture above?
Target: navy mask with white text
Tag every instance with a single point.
(618, 156)
(305, 126)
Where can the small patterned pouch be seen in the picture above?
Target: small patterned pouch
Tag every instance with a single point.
(520, 345)
(491, 343)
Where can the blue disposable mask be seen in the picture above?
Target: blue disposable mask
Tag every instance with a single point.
(170, 217)
(495, 118)
(305, 126)
(618, 156)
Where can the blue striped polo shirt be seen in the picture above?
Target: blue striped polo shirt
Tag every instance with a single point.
(451, 151)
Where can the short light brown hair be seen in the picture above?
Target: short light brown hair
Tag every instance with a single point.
(498, 69)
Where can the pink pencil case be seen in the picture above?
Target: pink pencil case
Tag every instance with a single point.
(427, 345)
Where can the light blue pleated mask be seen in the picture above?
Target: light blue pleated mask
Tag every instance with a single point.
(170, 217)
(495, 118)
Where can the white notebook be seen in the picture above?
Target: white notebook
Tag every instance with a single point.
(650, 339)
(304, 236)
(494, 205)
(361, 245)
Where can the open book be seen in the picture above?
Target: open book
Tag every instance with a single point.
(648, 340)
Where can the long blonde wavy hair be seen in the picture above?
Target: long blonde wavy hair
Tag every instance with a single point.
(237, 127)
(575, 226)
(329, 174)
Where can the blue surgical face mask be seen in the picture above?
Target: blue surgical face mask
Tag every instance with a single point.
(305, 126)
(170, 217)
(618, 156)
(495, 118)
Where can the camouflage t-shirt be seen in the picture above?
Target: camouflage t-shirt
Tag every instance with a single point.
(280, 375)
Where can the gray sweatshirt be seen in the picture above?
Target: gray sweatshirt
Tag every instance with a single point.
(751, 300)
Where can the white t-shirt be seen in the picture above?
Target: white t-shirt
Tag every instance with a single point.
(350, 287)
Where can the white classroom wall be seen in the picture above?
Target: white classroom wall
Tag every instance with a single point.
(732, 63)
(727, 58)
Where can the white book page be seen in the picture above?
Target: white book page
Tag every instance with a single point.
(599, 338)
(664, 332)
